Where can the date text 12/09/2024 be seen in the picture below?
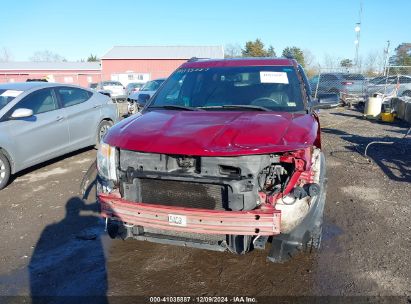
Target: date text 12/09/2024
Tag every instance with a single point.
(202, 299)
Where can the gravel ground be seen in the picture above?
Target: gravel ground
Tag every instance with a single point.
(52, 242)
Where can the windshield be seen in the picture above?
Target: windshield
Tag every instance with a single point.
(377, 80)
(7, 96)
(152, 85)
(270, 87)
(134, 85)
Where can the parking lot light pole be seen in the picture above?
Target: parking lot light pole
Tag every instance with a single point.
(357, 29)
(386, 52)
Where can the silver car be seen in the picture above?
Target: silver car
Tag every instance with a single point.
(112, 88)
(137, 100)
(40, 121)
(399, 85)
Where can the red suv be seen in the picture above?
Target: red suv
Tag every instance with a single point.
(225, 156)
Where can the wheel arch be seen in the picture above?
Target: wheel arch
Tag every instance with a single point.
(9, 159)
(103, 119)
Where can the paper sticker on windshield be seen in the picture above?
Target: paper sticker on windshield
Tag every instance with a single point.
(11, 93)
(274, 77)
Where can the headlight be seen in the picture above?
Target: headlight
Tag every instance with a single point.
(106, 162)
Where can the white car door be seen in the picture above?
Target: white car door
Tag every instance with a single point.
(42, 136)
(83, 115)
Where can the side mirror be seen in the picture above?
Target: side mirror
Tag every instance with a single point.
(22, 113)
(143, 98)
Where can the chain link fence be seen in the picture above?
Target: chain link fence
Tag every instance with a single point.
(354, 87)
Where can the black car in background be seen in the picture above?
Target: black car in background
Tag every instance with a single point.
(351, 87)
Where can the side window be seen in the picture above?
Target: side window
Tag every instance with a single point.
(40, 101)
(324, 78)
(329, 77)
(405, 79)
(72, 96)
(392, 80)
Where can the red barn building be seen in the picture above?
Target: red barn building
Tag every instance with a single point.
(81, 73)
(142, 63)
(123, 63)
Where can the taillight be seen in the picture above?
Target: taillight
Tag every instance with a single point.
(347, 83)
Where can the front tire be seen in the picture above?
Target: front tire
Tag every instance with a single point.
(314, 241)
(5, 171)
(103, 129)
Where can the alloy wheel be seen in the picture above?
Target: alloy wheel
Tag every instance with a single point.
(2, 170)
(103, 130)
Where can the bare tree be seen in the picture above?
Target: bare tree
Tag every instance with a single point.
(381, 61)
(360, 63)
(309, 58)
(370, 63)
(331, 62)
(5, 55)
(232, 50)
(47, 56)
(311, 65)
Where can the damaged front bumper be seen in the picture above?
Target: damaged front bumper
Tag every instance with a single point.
(214, 211)
(260, 222)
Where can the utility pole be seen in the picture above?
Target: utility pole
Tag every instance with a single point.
(357, 30)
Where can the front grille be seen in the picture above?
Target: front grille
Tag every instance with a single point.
(182, 194)
(210, 238)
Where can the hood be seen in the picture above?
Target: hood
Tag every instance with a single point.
(214, 133)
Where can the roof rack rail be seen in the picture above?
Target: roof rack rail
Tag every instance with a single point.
(196, 59)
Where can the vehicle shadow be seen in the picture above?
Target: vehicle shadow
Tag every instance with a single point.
(344, 114)
(68, 259)
(394, 157)
(89, 182)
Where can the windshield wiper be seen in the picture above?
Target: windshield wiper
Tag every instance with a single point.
(175, 107)
(251, 107)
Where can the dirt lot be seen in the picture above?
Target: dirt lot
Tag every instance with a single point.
(52, 243)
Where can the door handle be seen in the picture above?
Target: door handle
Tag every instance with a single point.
(97, 106)
(59, 118)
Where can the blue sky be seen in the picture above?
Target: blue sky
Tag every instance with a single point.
(74, 28)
